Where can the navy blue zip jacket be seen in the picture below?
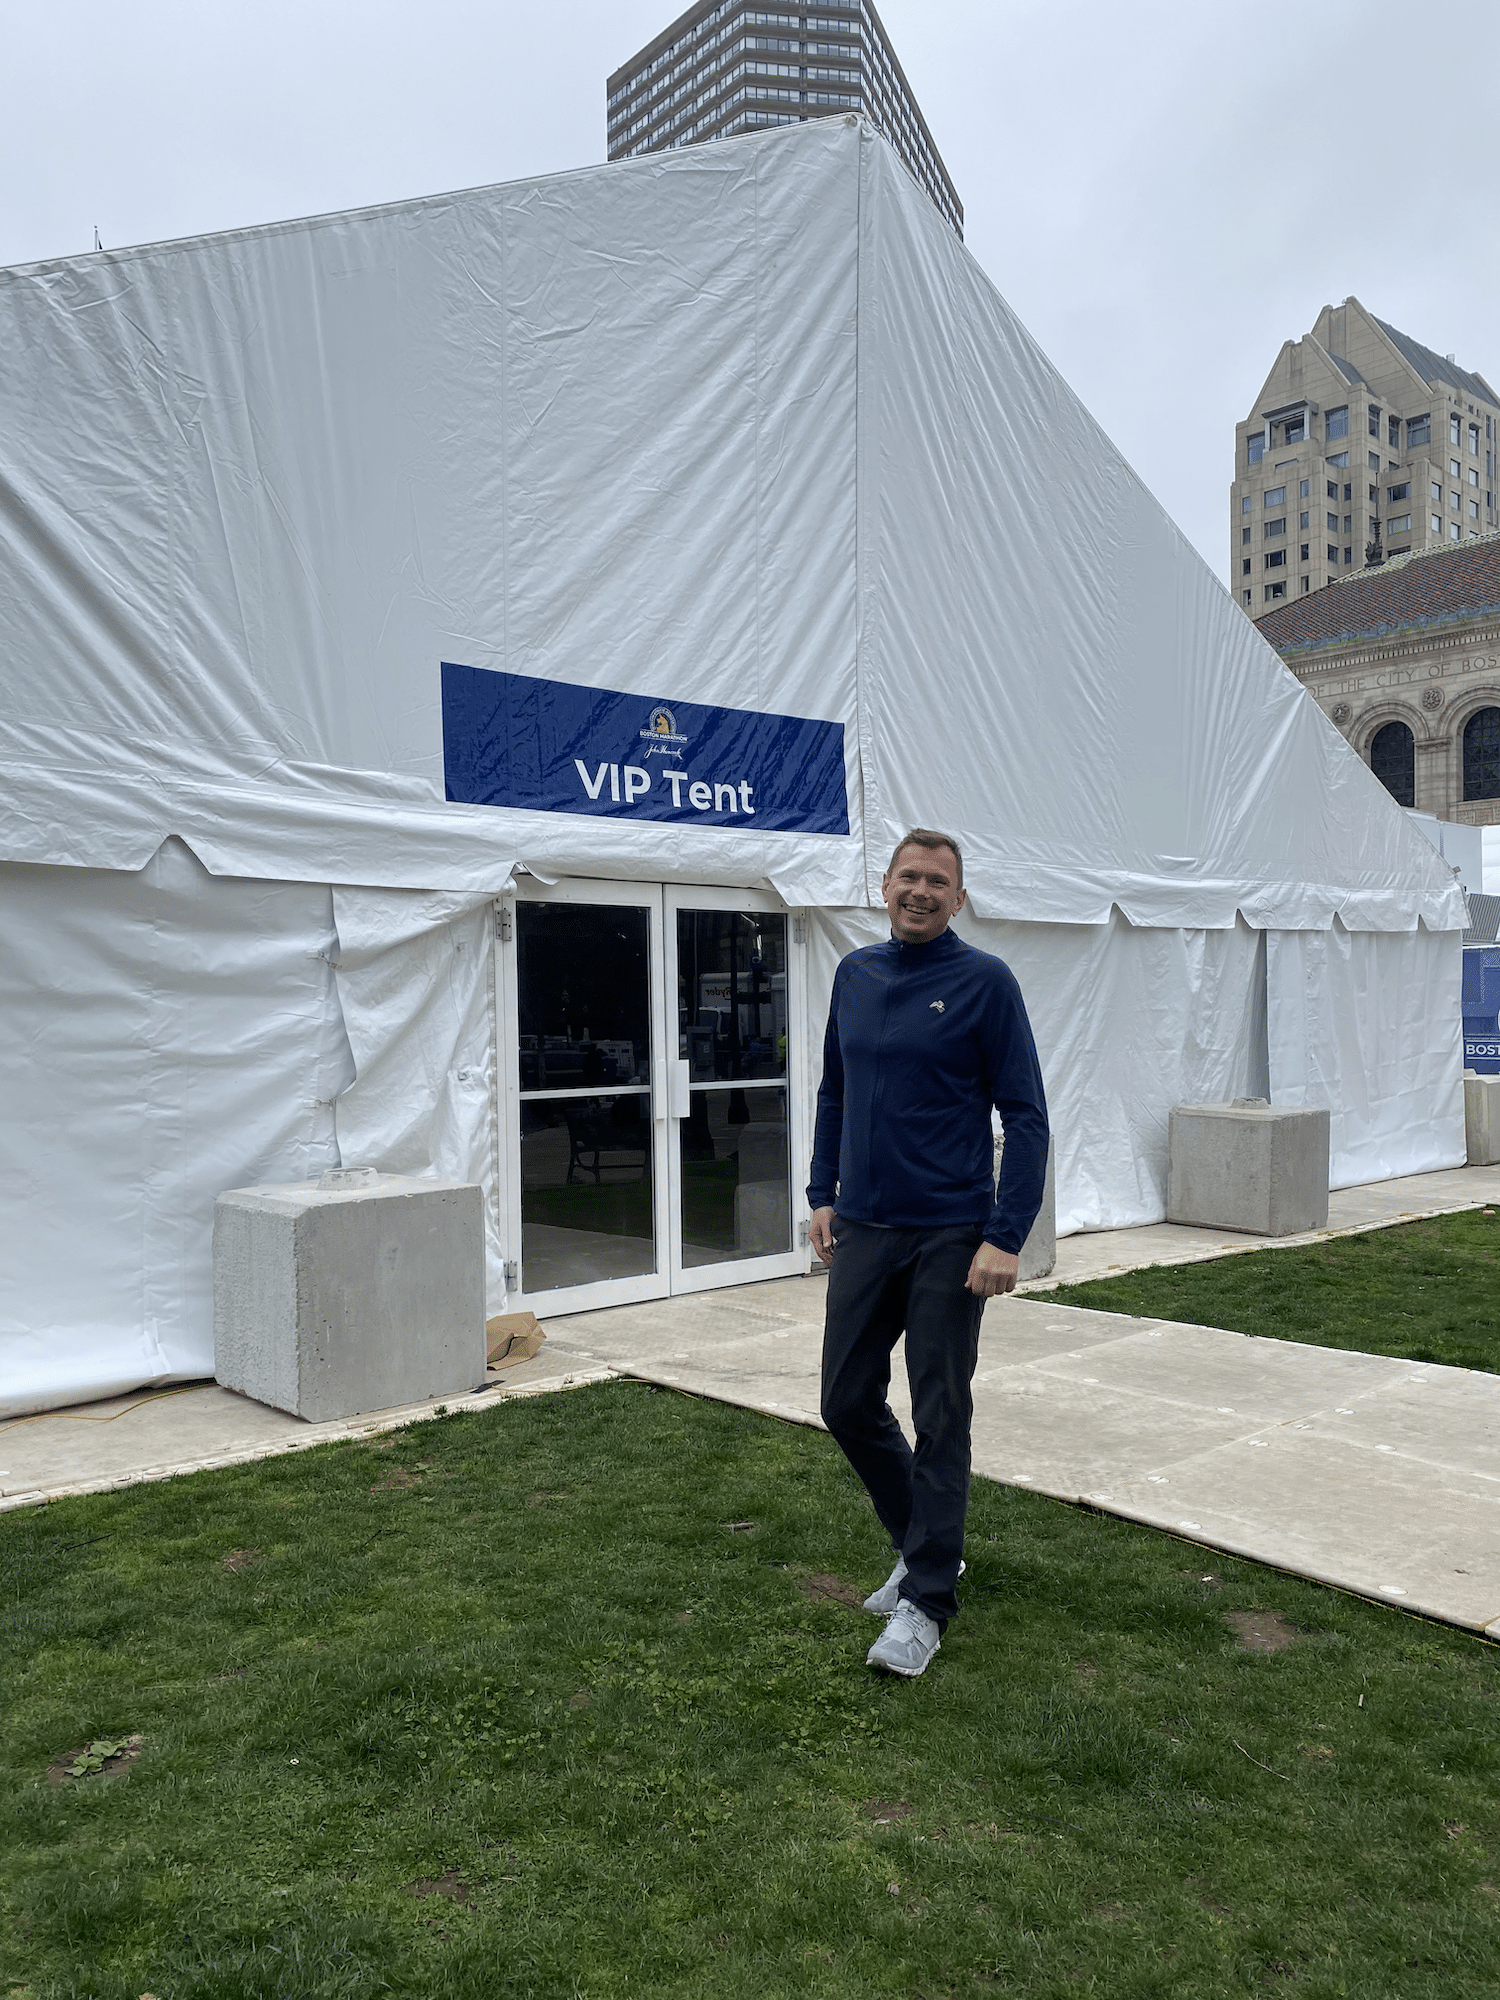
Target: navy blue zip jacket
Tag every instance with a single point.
(922, 1040)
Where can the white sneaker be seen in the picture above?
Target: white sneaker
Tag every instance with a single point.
(884, 1601)
(907, 1644)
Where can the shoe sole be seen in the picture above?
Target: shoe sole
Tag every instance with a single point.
(904, 1673)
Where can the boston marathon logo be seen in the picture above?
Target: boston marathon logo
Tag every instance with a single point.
(660, 735)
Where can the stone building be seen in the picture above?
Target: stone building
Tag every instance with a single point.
(1405, 658)
(1362, 441)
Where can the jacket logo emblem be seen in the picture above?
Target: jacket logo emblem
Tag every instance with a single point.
(939, 1006)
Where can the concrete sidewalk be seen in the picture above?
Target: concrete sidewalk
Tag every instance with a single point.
(1381, 1477)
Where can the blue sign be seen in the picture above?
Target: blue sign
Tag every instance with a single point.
(550, 746)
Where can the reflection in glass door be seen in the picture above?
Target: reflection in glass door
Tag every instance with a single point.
(731, 1179)
(587, 1158)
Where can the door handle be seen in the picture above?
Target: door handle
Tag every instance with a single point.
(681, 1104)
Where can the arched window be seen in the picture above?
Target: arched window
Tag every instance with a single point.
(1482, 755)
(1393, 759)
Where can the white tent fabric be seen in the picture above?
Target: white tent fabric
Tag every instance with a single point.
(163, 1035)
(741, 426)
(370, 558)
(1355, 1025)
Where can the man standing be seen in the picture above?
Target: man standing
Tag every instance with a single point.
(924, 1034)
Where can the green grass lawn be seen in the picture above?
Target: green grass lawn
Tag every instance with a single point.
(559, 1699)
(1422, 1291)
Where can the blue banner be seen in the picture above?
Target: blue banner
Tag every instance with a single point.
(550, 746)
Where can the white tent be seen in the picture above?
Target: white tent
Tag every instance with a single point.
(354, 572)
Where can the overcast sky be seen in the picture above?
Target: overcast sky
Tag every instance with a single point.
(1165, 190)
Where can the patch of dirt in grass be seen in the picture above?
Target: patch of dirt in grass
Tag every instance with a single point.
(447, 1884)
(1086, 1669)
(581, 1699)
(99, 1759)
(821, 1589)
(1319, 1753)
(885, 1812)
(238, 1559)
(395, 1481)
(1262, 1631)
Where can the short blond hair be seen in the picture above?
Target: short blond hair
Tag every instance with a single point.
(926, 836)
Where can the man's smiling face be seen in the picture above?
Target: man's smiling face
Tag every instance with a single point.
(921, 893)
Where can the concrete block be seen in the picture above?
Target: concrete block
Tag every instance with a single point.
(1039, 1251)
(360, 1291)
(1249, 1165)
(1482, 1119)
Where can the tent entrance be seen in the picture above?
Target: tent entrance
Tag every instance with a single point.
(650, 1041)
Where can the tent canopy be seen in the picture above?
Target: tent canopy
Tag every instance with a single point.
(740, 434)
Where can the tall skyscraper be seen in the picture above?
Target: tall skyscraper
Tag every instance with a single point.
(727, 67)
(1363, 444)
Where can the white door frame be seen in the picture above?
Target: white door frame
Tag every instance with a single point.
(668, 1093)
(653, 1284)
(792, 1261)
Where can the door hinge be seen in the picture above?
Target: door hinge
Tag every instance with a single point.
(804, 1234)
(503, 925)
(512, 1273)
(799, 930)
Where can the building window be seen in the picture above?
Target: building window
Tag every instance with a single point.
(1273, 591)
(1482, 755)
(1393, 493)
(1400, 525)
(1333, 491)
(1332, 551)
(1306, 581)
(1455, 427)
(1244, 536)
(1296, 430)
(1275, 496)
(1248, 595)
(1348, 491)
(1302, 489)
(1302, 518)
(1303, 556)
(1273, 528)
(1418, 431)
(1244, 566)
(1245, 503)
(1255, 447)
(1437, 524)
(1473, 510)
(1348, 524)
(1454, 502)
(1374, 421)
(1374, 460)
(1336, 422)
(1437, 492)
(1332, 524)
(1474, 439)
(1393, 432)
(1338, 458)
(1455, 470)
(1348, 557)
(1276, 559)
(1473, 475)
(1393, 759)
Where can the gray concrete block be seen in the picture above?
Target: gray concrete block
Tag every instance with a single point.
(1482, 1119)
(1039, 1251)
(1248, 1165)
(361, 1291)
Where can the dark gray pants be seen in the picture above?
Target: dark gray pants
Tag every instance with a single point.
(884, 1281)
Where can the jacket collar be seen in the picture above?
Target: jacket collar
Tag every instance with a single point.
(942, 946)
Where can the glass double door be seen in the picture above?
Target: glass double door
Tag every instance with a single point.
(653, 1098)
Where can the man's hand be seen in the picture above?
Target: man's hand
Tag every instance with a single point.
(821, 1231)
(992, 1273)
